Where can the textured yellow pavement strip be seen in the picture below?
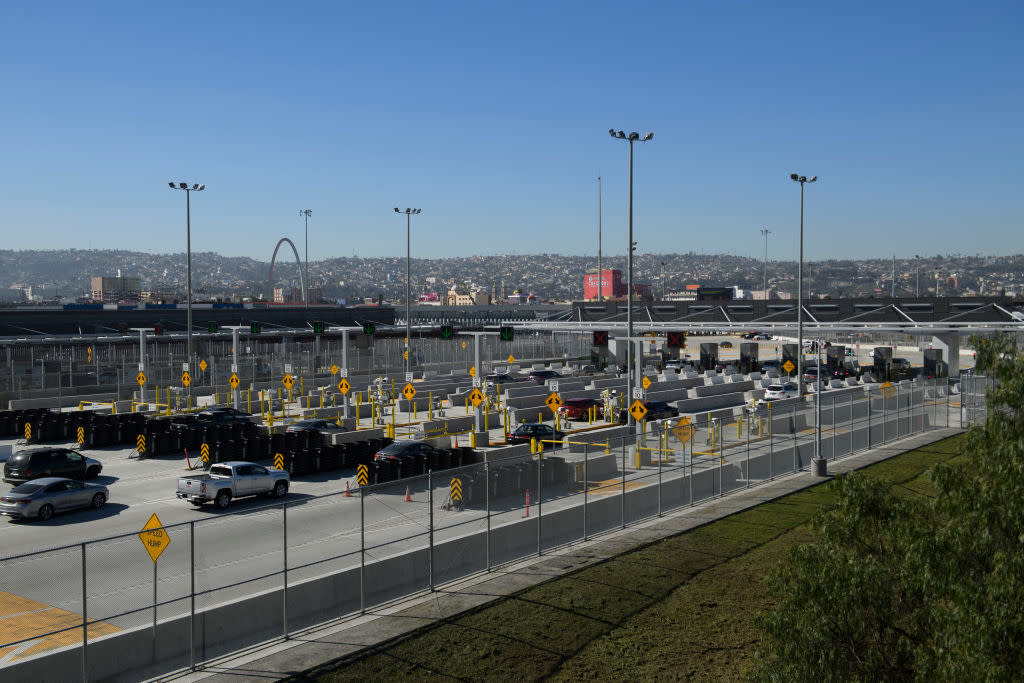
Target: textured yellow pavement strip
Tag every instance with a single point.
(22, 619)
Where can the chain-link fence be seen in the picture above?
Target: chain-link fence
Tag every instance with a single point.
(233, 581)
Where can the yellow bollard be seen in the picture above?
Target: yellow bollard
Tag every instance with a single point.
(540, 417)
(739, 426)
(533, 445)
(301, 389)
(430, 405)
(472, 439)
(607, 447)
(270, 418)
(248, 400)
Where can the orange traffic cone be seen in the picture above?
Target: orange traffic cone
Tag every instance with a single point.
(408, 498)
(456, 444)
(348, 494)
(527, 502)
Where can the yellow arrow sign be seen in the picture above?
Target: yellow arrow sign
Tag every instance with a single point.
(28, 430)
(638, 410)
(154, 539)
(186, 379)
(361, 474)
(279, 462)
(476, 398)
(204, 452)
(81, 436)
(202, 365)
(343, 386)
(233, 380)
(472, 371)
(463, 344)
(140, 378)
(334, 369)
(140, 444)
(287, 381)
(409, 391)
(456, 489)
(683, 430)
(646, 382)
(554, 401)
(788, 366)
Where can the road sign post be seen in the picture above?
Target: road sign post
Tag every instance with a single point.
(155, 540)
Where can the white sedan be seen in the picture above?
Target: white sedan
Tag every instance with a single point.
(774, 392)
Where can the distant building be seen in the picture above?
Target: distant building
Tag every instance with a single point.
(610, 279)
(477, 298)
(517, 297)
(110, 290)
(293, 295)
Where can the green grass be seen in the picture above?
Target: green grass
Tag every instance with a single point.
(678, 609)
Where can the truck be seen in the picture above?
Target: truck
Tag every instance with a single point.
(229, 480)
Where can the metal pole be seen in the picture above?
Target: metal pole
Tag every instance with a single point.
(800, 301)
(661, 454)
(749, 424)
(154, 603)
(487, 499)
(817, 408)
(600, 269)
(192, 594)
(765, 232)
(408, 277)
(430, 509)
(188, 304)
(834, 434)
(540, 498)
(344, 365)
(284, 565)
(586, 486)
(85, 622)
(478, 421)
(629, 316)
(362, 550)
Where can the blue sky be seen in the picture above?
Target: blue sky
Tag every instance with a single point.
(493, 119)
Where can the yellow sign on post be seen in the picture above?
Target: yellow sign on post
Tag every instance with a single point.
(279, 462)
(362, 475)
(140, 444)
(476, 398)
(140, 378)
(186, 379)
(511, 358)
(204, 452)
(472, 371)
(887, 390)
(288, 381)
(343, 386)
(683, 430)
(202, 365)
(463, 344)
(81, 436)
(554, 401)
(455, 490)
(638, 410)
(233, 380)
(28, 430)
(334, 369)
(646, 382)
(409, 391)
(154, 539)
(788, 366)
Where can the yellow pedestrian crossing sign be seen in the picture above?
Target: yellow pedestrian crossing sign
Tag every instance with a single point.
(361, 475)
(554, 401)
(233, 380)
(638, 410)
(343, 386)
(154, 538)
(646, 382)
(140, 378)
(476, 398)
(186, 379)
(788, 366)
(409, 391)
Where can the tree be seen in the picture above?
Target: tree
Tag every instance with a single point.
(902, 588)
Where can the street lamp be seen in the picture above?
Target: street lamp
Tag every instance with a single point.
(765, 232)
(408, 276)
(632, 137)
(800, 284)
(600, 271)
(196, 187)
(917, 267)
(307, 213)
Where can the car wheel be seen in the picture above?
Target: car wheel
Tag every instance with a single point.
(45, 512)
(223, 500)
(92, 473)
(98, 500)
(280, 489)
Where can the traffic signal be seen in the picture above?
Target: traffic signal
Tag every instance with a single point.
(318, 327)
(675, 340)
(255, 328)
(447, 331)
(369, 328)
(506, 332)
(600, 338)
(213, 326)
(158, 329)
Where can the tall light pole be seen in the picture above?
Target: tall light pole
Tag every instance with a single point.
(600, 270)
(663, 289)
(408, 277)
(306, 213)
(765, 232)
(917, 267)
(196, 187)
(800, 285)
(632, 137)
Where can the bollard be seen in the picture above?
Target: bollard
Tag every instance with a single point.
(472, 439)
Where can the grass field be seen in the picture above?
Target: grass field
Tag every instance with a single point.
(679, 609)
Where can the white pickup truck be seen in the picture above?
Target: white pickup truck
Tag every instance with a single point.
(227, 480)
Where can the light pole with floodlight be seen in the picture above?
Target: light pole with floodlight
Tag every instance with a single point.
(409, 213)
(632, 137)
(307, 213)
(800, 284)
(600, 270)
(765, 232)
(196, 187)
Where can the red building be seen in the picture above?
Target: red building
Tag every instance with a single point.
(612, 285)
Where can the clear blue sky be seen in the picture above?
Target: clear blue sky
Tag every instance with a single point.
(493, 119)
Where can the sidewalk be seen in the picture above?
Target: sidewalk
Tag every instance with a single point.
(283, 659)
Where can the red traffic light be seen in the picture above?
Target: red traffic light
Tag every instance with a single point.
(600, 338)
(675, 340)
(158, 329)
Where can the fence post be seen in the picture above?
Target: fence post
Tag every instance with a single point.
(835, 427)
(284, 564)
(750, 424)
(362, 549)
(487, 499)
(430, 526)
(622, 501)
(192, 594)
(540, 498)
(85, 622)
(662, 443)
(586, 485)
(771, 447)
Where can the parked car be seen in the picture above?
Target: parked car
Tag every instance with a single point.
(775, 365)
(50, 462)
(535, 430)
(318, 425)
(774, 392)
(725, 344)
(811, 373)
(762, 336)
(229, 480)
(213, 416)
(586, 371)
(656, 410)
(542, 376)
(580, 408)
(42, 498)
(399, 450)
(501, 378)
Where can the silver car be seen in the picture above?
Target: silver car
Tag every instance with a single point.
(41, 498)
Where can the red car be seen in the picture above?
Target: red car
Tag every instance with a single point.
(579, 408)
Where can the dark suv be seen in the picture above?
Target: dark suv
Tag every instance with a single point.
(656, 410)
(399, 450)
(541, 376)
(50, 462)
(535, 430)
(213, 416)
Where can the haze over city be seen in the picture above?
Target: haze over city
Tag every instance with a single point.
(494, 120)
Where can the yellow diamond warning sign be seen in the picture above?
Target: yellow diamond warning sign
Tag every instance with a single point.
(186, 379)
(202, 365)
(288, 381)
(887, 390)
(646, 382)
(476, 398)
(683, 430)
(334, 369)
(140, 378)
(154, 538)
(233, 380)
(343, 386)
(511, 358)
(788, 366)
(554, 401)
(638, 410)
(409, 391)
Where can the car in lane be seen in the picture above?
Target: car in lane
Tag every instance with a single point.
(542, 376)
(762, 336)
(401, 450)
(42, 498)
(229, 480)
(316, 425)
(535, 430)
(775, 392)
(580, 408)
(586, 371)
(725, 344)
(502, 378)
(50, 462)
(212, 416)
(656, 410)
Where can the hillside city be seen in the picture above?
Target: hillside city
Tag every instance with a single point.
(39, 277)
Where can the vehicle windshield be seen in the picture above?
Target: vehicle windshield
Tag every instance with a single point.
(775, 387)
(395, 448)
(306, 423)
(27, 488)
